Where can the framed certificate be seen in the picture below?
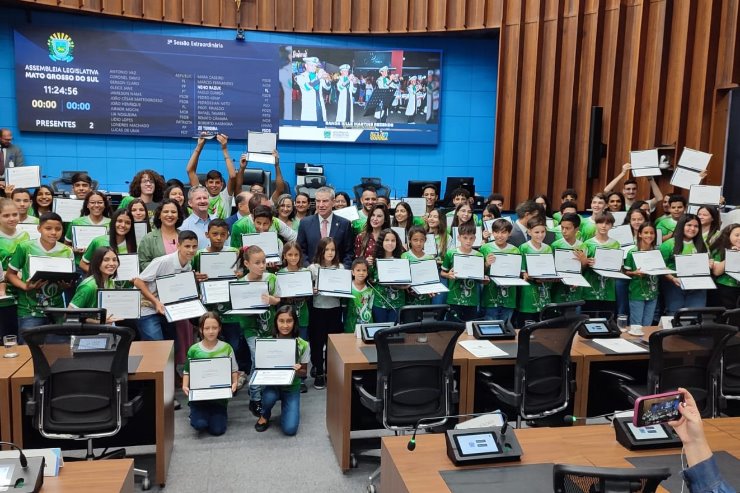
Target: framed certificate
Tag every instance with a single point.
(218, 265)
(120, 304)
(294, 284)
(23, 176)
(393, 271)
(468, 266)
(68, 209)
(128, 267)
(82, 236)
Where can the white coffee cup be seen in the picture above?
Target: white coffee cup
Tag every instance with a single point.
(636, 330)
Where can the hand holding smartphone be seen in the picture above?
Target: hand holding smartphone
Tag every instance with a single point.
(657, 408)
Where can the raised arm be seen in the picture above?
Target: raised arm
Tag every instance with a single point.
(223, 139)
(612, 184)
(657, 193)
(192, 167)
(279, 181)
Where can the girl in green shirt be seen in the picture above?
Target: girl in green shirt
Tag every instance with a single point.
(686, 240)
(10, 238)
(709, 219)
(417, 237)
(533, 298)
(95, 212)
(121, 235)
(389, 298)
(728, 288)
(643, 288)
(103, 267)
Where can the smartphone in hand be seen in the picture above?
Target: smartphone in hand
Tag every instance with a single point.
(657, 408)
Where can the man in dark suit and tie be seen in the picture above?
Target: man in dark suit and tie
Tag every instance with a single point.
(524, 212)
(325, 223)
(10, 155)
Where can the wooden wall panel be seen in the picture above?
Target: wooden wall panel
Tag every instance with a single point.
(92, 5)
(475, 14)
(211, 14)
(418, 13)
(266, 15)
(284, 21)
(154, 10)
(455, 15)
(134, 8)
(115, 7)
(379, 16)
(398, 20)
(303, 13)
(341, 16)
(322, 16)
(437, 20)
(360, 22)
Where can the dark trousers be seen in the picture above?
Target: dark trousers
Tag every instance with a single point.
(321, 323)
(8, 321)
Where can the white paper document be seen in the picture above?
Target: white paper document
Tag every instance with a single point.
(506, 270)
(541, 265)
(645, 163)
(274, 353)
(695, 264)
(685, 178)
(176, 287)
(258, 157)
(393, 270)
(618, 216)
(120, 304)
(608, 263)
(267, 241)
(571, 279)
(692, 283)
(334, 282)
(264, 142)
(31, 229)
(140, 230)
(82, 236)
(483, 349)
(425, 278)
(622, 234)
(272, 377)
(705, 194)
(294, 284)
(49, 264)
(68, 209)
(218, 265)
(246, 297)
(128, 267)
(732, 264)
(478, 236)
(418, 205)
(23, 176)
(621, 346)
(210, 378)
(213, 292)
(468, 266)
(430, 245)
(184, 310)
(651, 262)
(566, 261)
(694, 159)
(401, 232)
(350, 213)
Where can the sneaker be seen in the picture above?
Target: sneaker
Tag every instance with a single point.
(178, 406)
(241, 380)
(319, 382)
(304, 388)
(260, 427)
(256, 408)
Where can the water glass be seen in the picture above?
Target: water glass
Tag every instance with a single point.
(10, 342)
(623, 323)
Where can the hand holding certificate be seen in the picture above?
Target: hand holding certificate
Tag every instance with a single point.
(23, 176)
(294, 284)
(645, 163)
(468, 266)
(506, 270)
(334, 282)
(248, 298)
(274, 362)
(120, 304)
(608, 263)
(42, 268)
(425, 278)
(267, 241)
(693, 271)
(651, 262)
(214, 292)
(732, 264)
(705, 194)
(393, 271)
(218, 265)
(82, 236)
(128, 266)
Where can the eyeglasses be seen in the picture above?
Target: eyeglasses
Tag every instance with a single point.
(147, 182)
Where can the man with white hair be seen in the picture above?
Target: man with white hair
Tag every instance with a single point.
(311, 82)
(197, 222)
(325, 223)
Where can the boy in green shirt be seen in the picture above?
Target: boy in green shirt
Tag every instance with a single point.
(667, 224)
(569, 224)
(219, 204)
(360, 306)
(368, 199)
(10, 238)
(498, 302)
(603, 293)
(588, 227)
(533, 298)
(34, 296)
(463, 296)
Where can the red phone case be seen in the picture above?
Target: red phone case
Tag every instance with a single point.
(638, 405)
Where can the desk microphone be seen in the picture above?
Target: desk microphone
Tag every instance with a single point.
(21, 455)
(569, 418)
(412, 443)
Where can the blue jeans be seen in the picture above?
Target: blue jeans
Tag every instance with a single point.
(28, 322)
(208, 416)
(384, 314)
(290, 409)
(676, 298)
(623, 296)
(255, 391)
(440, 298)
(641, 312)
(156, 328)
(498, 313)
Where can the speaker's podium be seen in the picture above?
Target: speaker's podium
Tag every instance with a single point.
(380, 101)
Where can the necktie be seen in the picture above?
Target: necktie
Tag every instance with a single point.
(2, 161)
(324, 228)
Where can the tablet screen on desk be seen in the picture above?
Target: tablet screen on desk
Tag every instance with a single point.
(91, 343)
(652, 432)
(477, 444)
(490, 329)
(596, 327)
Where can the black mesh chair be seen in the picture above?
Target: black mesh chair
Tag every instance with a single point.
(81, 397)
(365, 182)
(688, 357)
(731, 359)
(581, 479)
(423, 313)
(414, 379)
(698, 316)
(543, 380)
(62, 186)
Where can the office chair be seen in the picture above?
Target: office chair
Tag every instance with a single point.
(62, 186)
(688, 357)
(365, 182)
(81, 397)
(423, 313)
(698, 315)
(584, 479)
(554, 310)
(543, 380)
(311, 184)
(260, 177)
(731, 359)
(414, 379)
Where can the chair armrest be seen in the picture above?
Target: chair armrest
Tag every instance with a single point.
(505, 395)
(369, 400)
(622, 377)
(132, 407)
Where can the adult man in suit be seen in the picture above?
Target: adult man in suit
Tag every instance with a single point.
(10, 155)
(325, 223)
(524, 212)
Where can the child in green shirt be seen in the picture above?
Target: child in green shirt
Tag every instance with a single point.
(728, 289)
(686, 240)
(588, 227)
(533, 298)
(95, 212)
(389, 298)
(603, 293)
(569, 224)
(103, 267)
(463, 296)
(10, 238)
(498, 302)
(667, 224)
(360, 306)
(416, 238)
(643, 288)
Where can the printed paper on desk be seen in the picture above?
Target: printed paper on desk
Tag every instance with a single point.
(684, 178)
(645, 163)
(694, 159)
(705, 194)
(483, 349)
(262, 142)
(350, 213)
(621, 346)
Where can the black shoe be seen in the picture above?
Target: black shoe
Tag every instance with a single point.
(304, 388)
(319, 382)
(313, 372)
(178, 406)
(260, 427)
(256, 408)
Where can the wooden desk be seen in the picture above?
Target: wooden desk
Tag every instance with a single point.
(156, 367)
(343, 357)
(103, 476)
(403, 471)
(8, 367)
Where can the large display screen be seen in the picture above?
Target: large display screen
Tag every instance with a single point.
(116, 83)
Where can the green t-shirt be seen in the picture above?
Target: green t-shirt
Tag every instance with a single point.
(102, 241)
(219, 308)
(83, 221)
(303, 356)
(562, 293)
(220, 350)
(666, 225)
(359, 308)
(358, 225)
(260, 325)
(220, 205)
(300, 305)
(587, 229)
(86, 294)
(8, 245)
(386, 295)
(495, 296)
(245, 226)
(411, 297)
(724, 279)
(31, 303)
(666, 250)
(463, 292)
(602, 288)
(641, 288)
(533, 298)
(30, 219)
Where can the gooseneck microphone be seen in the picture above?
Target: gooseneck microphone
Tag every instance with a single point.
(21, 455)
(569, 418)
(412, 443)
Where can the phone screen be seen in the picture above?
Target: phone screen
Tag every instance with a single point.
(652, 410)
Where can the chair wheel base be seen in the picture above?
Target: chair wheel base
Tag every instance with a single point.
(371, 488)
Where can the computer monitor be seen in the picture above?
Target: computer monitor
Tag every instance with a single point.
(416, 187)
(455, 182)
